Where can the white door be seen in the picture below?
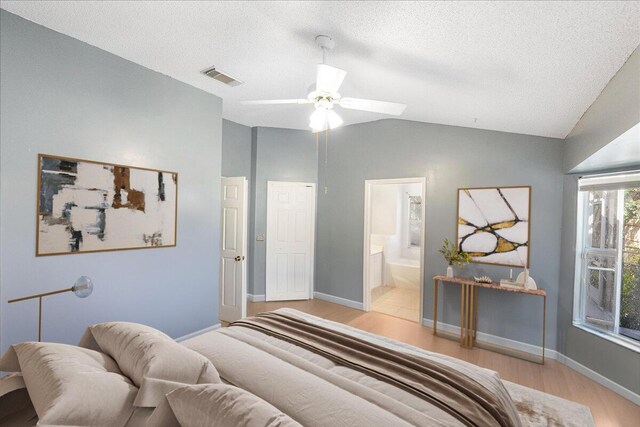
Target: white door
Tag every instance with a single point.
(233, 277)
(290, 240)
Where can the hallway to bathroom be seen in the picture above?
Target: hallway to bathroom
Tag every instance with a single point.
(395, 236)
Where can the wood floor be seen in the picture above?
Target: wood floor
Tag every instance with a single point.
(608, 408)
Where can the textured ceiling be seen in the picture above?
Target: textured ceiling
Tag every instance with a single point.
(523, 67)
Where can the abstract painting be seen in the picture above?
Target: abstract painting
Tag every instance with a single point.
(86, 206)
(494, 224)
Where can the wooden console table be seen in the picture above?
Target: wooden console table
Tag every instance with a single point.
(469, 311)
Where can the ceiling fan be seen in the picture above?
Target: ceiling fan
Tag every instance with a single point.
(324, 95)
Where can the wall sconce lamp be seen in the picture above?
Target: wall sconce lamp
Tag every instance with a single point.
(82, 288)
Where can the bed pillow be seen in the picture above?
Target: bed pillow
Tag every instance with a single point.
(220, 405)
(69, 385)
(9, 361)
(152, 360)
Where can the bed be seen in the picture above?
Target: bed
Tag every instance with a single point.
(313, 372)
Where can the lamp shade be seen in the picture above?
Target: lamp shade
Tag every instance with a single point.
(82, 287)
(318, 120)
(333, 119)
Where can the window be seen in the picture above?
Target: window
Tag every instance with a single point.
(608, 257)
(415, 220)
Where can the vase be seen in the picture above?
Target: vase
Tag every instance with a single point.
(450, 271)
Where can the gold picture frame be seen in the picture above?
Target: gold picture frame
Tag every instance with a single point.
(500, 216)
(118, 195)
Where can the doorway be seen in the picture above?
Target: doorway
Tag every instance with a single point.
(291, 213)
(393, 268)
(233, 249)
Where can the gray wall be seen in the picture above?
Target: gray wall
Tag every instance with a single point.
(238, 160)
(236, 149)
(279, 155)
(61, 96)
(616, 110)
(450, 157)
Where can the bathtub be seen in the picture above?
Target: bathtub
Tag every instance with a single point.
(403, 273)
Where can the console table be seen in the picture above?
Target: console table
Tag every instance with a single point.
(469, 311)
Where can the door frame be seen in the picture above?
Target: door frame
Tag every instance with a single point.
(245, 228)
(366, 256)
(312, 234)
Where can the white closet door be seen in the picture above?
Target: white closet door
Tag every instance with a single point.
(290, 240)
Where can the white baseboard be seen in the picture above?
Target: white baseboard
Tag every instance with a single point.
(256, 298)
(337, 300)
(496, 340)
(550, 354)
(199, 332)
(600, 379)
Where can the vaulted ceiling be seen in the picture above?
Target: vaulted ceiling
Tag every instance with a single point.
(524, 67)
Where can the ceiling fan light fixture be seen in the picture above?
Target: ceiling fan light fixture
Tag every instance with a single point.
(334, 119)
(318, 120)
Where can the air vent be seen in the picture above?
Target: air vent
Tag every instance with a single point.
(221, 76)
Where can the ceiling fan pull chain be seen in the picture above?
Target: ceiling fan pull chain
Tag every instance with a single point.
(326, 149)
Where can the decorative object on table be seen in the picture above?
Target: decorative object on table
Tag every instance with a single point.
(483, 279)
(494, 224)
(523, 281)
(87, 206)
(526, 280)
(453, 255)
(511, 284)
(82, 288)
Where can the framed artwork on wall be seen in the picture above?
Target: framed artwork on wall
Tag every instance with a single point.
(494, 224)
(86, 206)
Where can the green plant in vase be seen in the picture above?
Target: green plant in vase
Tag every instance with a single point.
(453, 255)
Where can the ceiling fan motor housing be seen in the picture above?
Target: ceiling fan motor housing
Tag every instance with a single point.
(323, 102)
(325, 42)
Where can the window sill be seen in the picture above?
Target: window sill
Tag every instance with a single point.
(627, 343)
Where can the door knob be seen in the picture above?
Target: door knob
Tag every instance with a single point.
(238, 258)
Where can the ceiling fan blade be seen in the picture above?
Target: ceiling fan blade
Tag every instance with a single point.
(383, 107)
(329, 78)
(276, 101)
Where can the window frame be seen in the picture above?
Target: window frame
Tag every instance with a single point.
(581, 265)
(408, 236)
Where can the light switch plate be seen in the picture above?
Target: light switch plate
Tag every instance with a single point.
(260, 237)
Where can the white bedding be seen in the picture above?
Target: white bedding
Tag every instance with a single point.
(316, 392)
